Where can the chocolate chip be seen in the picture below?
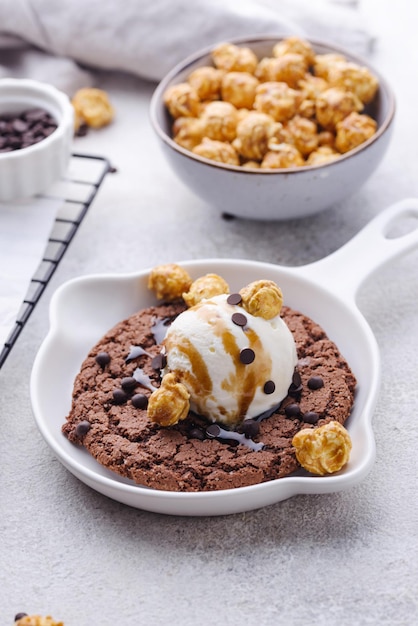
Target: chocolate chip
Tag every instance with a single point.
(82, 428)
(310, 417)
(19, 616)
(19, 125)
(119, 396)
(102, 359)
(269, 387)
(128, 383)
(213, 431)
(315, 382)
(295, 391)
(48, 130)
(33, 115)
(159, 362)
(234, 298)
(82, 130)
(246, 356)
(197, 433)
(295, 388)
(292, 410)
(296, 379)
(14, 142)
(250, 428)
(239, 319)
(139, 401)
(21, 131)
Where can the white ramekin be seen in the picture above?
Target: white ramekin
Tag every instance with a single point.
(30, 171)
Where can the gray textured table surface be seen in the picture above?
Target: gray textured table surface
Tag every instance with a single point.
(348, 558)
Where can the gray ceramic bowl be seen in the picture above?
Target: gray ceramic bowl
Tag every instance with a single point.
(273, 194)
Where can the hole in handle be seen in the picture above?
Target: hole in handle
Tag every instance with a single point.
(402, 225)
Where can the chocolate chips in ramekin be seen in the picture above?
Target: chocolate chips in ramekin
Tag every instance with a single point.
(25, 129)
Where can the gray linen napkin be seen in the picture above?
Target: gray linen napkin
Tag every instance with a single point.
(57, 41)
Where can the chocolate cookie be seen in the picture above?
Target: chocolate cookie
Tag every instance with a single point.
(109, 417)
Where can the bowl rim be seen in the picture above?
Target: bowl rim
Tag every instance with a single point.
(40, 89)
(156, 100)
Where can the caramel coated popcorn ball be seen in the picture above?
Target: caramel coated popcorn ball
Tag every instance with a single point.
(169, 281)
(306, 108)
(265, 70)
(232, 58)
(251, 164)
(303, 134)
(324, 62)
(254, 133)
(242, 114)
(311, 86)
(334, 104)
(323, 154)
(353, 130)
(352, 77)
(262, 298)
(326, 138)
(207, 82)
(282, 155)
(220, 151)
(323, 450)
(92, 106)
(36, 620)
(205, 287)
(289, 68)
(169, 404)
(295, 45)
(277, 99)
(238, 88)
(182, 100)
(220, 120)
(188, 131)
(275, 112)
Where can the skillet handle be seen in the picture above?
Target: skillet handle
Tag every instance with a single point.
(346, 269)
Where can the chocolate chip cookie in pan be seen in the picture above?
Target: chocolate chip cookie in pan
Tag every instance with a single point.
(132, 410)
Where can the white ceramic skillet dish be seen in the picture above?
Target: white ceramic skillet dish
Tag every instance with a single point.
(83, 309)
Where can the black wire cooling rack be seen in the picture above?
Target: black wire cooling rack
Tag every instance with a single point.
(85, 175)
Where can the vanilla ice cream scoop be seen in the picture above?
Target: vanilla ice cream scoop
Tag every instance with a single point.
(234, 365)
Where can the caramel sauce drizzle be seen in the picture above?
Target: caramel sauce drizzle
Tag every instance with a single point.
(242, 382)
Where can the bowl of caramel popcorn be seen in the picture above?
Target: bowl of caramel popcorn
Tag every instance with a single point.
(273, 128)
(36, 132)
